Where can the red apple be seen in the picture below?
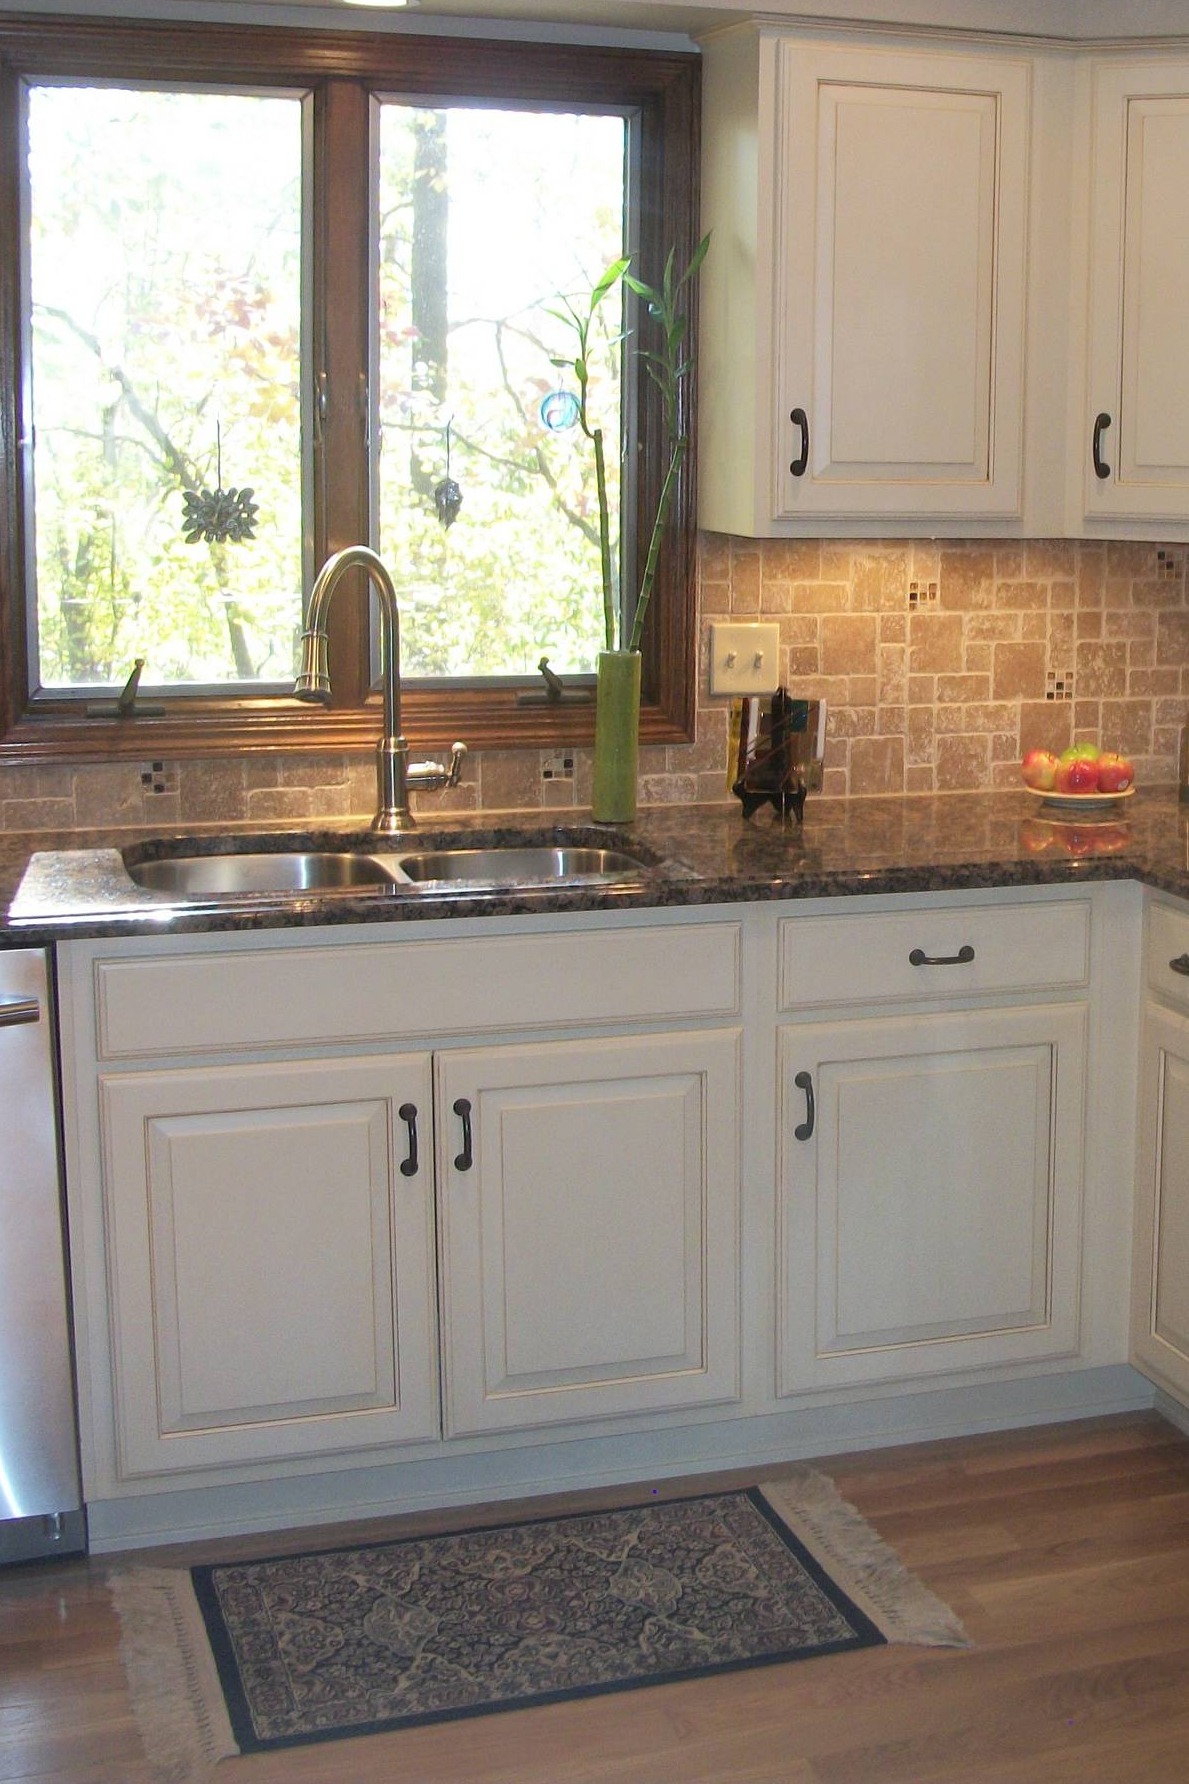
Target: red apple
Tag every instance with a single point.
(1115, 772)
(1077, 776)
(1040, 770)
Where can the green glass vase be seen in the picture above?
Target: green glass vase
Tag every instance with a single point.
(617, 736)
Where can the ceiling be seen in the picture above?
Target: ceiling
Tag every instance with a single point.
(1075, 21)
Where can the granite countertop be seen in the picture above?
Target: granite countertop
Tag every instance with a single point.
(59, 885)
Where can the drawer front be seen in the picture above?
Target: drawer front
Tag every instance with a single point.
(175, 1002)
(930, 954)
(1168, 942)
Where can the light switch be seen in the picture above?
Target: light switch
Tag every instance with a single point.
(744, 659)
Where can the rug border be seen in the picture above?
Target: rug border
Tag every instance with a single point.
(861, 1563)
(867, 1632)
(173, 1684)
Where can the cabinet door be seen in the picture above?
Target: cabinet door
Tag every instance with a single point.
(589, 1228)
(931, 1203)
(271, 1257)
(1138, 382)
(1160, 1285)
(900, 264)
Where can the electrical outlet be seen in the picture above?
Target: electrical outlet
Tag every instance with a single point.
(744, 659)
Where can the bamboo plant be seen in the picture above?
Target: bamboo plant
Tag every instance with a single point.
(669, 366)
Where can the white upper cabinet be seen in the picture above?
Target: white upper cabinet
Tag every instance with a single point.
(1134, 445)
(864, 301)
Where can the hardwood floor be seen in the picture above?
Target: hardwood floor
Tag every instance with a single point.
(1065, 1550)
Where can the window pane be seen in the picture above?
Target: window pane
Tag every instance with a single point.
(165, 287)
(485, 217)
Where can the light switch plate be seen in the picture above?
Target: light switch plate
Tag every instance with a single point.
(744, 659)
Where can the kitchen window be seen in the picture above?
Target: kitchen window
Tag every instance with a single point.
(254, 322)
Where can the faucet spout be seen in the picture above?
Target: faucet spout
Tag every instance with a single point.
(394, 777)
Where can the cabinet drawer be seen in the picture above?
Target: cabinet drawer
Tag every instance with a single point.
(1168, 941)
(179, 1002)
(933, 953)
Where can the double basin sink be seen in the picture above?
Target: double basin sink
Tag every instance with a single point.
(256, 867)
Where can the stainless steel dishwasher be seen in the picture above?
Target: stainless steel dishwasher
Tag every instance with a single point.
(40, 1505)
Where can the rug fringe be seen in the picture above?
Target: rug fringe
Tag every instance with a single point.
(173, 1683)
(861, 1562)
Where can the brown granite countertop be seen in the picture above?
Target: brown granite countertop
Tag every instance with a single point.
(54, 886)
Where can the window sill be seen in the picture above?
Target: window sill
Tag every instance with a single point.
(482, 720)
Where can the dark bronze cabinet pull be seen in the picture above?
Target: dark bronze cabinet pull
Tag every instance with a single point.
(800, 419)
(804, 1129)
(1180, 964)
(963, 957)
(1101, 422)
(408, 1114)
(466, 1157)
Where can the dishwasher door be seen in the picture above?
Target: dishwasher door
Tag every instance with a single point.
(40, 1506)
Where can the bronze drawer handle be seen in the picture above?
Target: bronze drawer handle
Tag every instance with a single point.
(1180, 964)
(963, 957)
(408, 1114)
(800, 420)
(804, 1129)
(1101, 422)
(466, 1158)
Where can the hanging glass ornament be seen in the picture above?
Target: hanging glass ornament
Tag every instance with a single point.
(218, 515)
(559, 410)
(447, 495)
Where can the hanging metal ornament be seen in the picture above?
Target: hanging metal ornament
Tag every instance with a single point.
(447, 496)
(218, 515)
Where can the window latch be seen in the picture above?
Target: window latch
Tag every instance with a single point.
(127, 703)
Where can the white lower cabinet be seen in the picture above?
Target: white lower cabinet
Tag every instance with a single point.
(271, 1260)
(450, 1204)
(1160, 1253)
(930, 1182)
(1160, 1290)
(589, 1210)
(271, 1233)
(281, 1259)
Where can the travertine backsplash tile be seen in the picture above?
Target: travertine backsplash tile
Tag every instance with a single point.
(941, 663)
(1001, 648)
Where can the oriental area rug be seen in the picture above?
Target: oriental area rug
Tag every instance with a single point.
(248, 1657)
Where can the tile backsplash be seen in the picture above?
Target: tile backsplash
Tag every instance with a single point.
(941, 663)
(944, 662)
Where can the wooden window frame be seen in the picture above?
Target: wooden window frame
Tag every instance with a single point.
(343, 70)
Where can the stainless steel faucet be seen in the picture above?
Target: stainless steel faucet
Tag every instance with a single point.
(396, 776)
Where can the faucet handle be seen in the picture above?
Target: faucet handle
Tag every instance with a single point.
(433, 776)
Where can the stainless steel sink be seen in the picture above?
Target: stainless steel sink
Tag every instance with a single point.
(229, 876)
(513, 864)
(183, 871)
